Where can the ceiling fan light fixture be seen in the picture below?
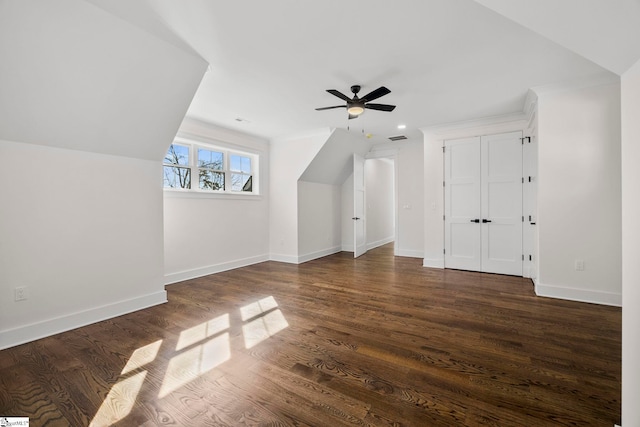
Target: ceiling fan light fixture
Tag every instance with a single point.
(355, 106)
(355, 110)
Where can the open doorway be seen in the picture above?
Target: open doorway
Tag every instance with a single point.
(380, 217)
(380, 184)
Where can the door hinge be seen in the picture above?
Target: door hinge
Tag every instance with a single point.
(523, 257)
(443, 149)
(523, 218)
(443, 183)
(444, 217)
(530, 179)
(528, 138)
(530, 258)
(523, 179)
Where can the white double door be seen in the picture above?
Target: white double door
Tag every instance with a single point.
(483, 203)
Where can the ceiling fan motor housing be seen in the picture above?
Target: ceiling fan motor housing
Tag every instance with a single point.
(356, 106)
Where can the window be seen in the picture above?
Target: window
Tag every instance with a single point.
(240, 173)
(177, 173)
(219, 170)
(211, 169)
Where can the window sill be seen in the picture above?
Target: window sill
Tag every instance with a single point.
(191, 194)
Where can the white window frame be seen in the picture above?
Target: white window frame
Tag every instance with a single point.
(227, 151)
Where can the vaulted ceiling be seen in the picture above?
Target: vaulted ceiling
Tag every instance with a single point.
(443, 60)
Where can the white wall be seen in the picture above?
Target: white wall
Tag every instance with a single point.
(207, 233)
(319, 221)
(579, 194)
(82, 232)
(630, 245)
(89, 106)
(433, 202)
(380, 199)
(289, 157)
(325, 157)
(410, 198)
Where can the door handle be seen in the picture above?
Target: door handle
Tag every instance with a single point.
(475, 220)
(355, 217)
(484, 221)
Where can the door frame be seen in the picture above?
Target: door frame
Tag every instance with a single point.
(444, 192)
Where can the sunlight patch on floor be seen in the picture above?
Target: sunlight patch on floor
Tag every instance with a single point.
(198, 350)
(263, 327)
(142, 356)
(119, 401)
(202, 331)
(189, 365)
(256, 308)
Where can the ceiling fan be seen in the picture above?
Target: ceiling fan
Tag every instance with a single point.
(356, 106)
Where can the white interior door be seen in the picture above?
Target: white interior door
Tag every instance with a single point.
(501, 208)
(483, 204)
(359, 229)
(462, 204)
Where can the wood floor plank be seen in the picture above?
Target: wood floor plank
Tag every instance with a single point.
(374, 341)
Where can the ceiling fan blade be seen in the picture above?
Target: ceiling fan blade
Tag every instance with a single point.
(353, 116)
(381, 91)
(381, 107)
(329, 108)
(339, 94)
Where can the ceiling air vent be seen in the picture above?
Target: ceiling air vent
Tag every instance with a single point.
(397, 138)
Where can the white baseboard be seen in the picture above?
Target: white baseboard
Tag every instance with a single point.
(292, 259)
(581, 295)
(409, 253)
(347, 247)
(433, 263)
(46, 328)
(212, 269)
(380, 242)
(319, 254)
(289, 259)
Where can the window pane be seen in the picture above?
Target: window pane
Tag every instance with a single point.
(176, 177)
(241, 182)
(210, 159)
(240, 163)
(177, 155)
(211, 180)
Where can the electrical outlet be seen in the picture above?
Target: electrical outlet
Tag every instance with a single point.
(579, 265)
(20, 293)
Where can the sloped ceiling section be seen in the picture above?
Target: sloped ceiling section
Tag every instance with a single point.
(334, 162)
(75, 76)
(443, 60)
(603, 31)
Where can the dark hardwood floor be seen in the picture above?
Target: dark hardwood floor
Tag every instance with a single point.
(377, 341)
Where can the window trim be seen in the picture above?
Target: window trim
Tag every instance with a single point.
(227, 149)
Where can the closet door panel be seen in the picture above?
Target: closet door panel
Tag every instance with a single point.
(462, 204)
(501, 203)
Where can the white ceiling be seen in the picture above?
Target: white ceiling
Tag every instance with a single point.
(443, 60)
(604, 31)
